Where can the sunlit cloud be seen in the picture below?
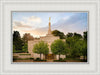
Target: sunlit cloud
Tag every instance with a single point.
(20, 25)
(33, 19)
(38, 25)
(27, 22)
(37, 32)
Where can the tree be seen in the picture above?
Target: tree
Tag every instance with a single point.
(14, 49)
(17, 41)
(41, 48)
(85, 44)
(70, 45)
(73, 42)
(69, 35)
(80, 48)
(25, 48)
(27, 37)
(85, 35)
(77, 36)
(58, 47)
(58, 33)
(84, 49)
(16, 35)
(77, 45)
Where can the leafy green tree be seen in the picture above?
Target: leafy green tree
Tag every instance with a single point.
(58, 47)
(77, 45)
(84, 49)
(70, 45)
(14, 49)
(58, 33)
(85, 35)
(77, 36)
(80, 48)
(69, 35)
(17, 41)
(41, 48)
(25, 48)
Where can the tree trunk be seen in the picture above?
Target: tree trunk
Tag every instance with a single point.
(59, 56)
(40, 56)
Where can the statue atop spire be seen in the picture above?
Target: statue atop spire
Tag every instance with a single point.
(49, 19)
(49, 29)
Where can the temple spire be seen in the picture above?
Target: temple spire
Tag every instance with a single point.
(49, 29)
(49, 19)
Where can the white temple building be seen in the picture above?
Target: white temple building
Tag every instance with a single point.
(49, 38)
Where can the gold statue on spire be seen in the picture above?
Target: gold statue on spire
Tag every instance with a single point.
(49, 29)
(49, 19)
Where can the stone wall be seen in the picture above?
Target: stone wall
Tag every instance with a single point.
(48, 39)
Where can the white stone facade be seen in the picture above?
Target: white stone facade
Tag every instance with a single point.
(49, 38)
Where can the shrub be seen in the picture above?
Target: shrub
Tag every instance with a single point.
(60, 59)
(37, 59)
(15, 58)
(32, 58)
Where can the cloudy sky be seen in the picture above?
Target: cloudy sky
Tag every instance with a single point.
(36, 23)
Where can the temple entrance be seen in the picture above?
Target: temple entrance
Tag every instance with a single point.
(49, 56)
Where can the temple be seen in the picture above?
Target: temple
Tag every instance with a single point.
(49, 38)
(49, 29)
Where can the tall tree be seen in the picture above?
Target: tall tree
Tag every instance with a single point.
(58, 33)
(58, 47)
(27, 37)
(81, 46)
(25, 48)
(41, 48)
(85, 44)
(69, 35)
(73, 42)
(14, 49)
(85, 35)
(77, 36)
(17, 41)
(70, 45)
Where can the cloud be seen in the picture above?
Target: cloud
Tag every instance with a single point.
(27, 23)
(37, 32)
(33, 25)
(33, 19)
(74, 23)
(66, 18)
(19, 25)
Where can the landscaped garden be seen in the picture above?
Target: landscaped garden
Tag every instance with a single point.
(74, 47)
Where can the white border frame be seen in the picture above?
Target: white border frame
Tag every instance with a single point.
(95, 71)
